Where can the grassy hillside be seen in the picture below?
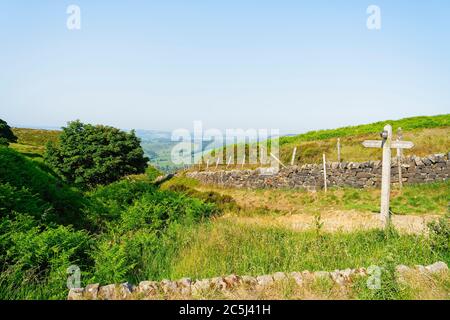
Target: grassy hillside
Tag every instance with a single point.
(407, 124)
(32, 141)
(430, 134)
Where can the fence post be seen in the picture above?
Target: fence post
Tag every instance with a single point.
(399, 158)
(293, 156)
(339, 149)
(324, 173)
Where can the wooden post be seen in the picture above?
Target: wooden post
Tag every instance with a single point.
(324, 173)
(229, 161)
(386, 176)
(207, 164)
(339, 149)
(399, 158)
(243, 161)
(277, 160)
(386, 144)
(217, 162)
(293, 156)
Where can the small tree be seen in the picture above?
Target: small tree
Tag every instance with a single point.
(6, 134)
(90, 155)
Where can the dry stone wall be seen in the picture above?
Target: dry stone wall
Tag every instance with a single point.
(187, 288)
(432, 168)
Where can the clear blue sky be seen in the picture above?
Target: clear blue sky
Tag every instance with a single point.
(291, 65)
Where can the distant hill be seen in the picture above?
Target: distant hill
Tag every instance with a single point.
(431, 134)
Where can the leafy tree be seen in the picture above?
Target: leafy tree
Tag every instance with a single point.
(6, 134)
(90, 155)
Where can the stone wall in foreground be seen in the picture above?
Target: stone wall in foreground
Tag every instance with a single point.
(187, 288)
(431, 168)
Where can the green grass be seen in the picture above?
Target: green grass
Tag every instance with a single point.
(406, 124)
(224, 247)
(36, 137)
(428, 198)
(430, 134)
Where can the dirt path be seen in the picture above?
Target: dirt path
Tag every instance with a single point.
(337, 221)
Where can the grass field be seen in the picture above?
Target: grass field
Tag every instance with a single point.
(433, 198)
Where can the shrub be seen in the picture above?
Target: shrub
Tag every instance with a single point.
(152, 173)
(440, 234)
(6, 134)
(31, 255)
(109, 201)
(223, 202)
(155, 211)
(90, 155)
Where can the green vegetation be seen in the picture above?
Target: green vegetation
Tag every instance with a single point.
(413, 199)
(222, 247)
(31, 142)
(6, 134)
(429, 134)
(88, 155)
(407, 124)
(124, 227)
(113, 233)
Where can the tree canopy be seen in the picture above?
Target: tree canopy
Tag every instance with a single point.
(6, 134)
(89, 155)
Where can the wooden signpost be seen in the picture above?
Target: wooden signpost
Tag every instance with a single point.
(386, 144)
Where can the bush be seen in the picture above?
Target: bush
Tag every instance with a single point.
(223, 202)
(440, 234)
(152, 173)
(89, 155)
(109, 201)
(155, 211)
(6, 134)
(31, 256)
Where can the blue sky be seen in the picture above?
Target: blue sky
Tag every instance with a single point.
(289, 65)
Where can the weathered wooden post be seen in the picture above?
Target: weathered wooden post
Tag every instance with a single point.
(277, 160)
(243, 161)
(293, 156)
(386, 144)
(399, 158)
(217, 162)
(229, 161)
(324, 173)
(386, 176)
(339, 149)
(207, 164)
